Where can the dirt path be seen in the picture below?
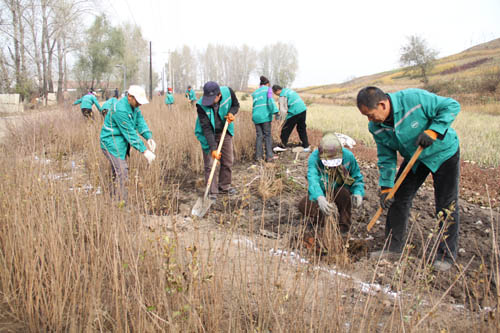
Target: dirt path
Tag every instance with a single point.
(266, 206)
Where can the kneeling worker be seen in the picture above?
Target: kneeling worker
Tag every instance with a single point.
(333, 175)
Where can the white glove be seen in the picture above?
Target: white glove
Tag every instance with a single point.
(325, 206)
(152, 145)
(357, 200)
(149, 155)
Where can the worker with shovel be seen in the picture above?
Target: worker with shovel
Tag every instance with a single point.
(295, 109)
(333, 175)
(217, 106)
(120, 130)
(407, 121)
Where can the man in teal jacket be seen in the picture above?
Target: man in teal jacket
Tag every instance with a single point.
(86, 104)
(296, 116)
(263, 110)
(333, 175)
(108, 105)
(218, 105)
(400, 122)
(119, 132)
(191, 95)
(169, 99)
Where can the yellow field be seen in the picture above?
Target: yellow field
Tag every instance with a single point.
(477, 128)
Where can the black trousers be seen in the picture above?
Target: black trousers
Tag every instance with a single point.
(87, 113)
(446, 182)
(298, 120)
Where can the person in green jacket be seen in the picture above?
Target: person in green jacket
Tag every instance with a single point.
(296, 116)
(191, 95)
(400, 122)
(108, 105)
(218, 105)
(263, 110)
(120, 130)
(87, 101)
(333, 175)
(169, 99)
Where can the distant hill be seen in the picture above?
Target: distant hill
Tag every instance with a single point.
(467, 76)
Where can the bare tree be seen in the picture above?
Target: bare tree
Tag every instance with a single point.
(279, 62)
(417, 54)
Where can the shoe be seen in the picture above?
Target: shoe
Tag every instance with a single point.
(307, 150)
(212, 197)
(272, 159)
(384, 254)
(278, 149)
(230, 191)
(441, 265)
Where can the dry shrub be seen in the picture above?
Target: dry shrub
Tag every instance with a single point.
(270, 185)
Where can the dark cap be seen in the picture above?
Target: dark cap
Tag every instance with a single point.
(210, 91)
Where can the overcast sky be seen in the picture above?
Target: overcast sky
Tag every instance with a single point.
(336, 40)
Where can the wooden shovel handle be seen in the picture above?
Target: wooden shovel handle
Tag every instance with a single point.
(214, 165)
(396, 186)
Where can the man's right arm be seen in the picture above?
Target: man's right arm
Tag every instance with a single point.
(207, 128)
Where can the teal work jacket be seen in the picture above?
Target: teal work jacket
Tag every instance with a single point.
(224, 106)
(121, 127)
(295, 104)
(415, 110)
(263, 107)
(87, 101)
(109, 104)
(318, 179)
(190, 94)
(169, 99)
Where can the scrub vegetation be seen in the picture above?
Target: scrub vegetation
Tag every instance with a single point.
(73, 260)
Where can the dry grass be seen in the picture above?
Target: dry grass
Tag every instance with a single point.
(71, 260)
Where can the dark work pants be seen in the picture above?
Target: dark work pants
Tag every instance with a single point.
(221, 180)
(342, 199)
(446, 182)
(87, 113)
(298, 120)
(263, 134)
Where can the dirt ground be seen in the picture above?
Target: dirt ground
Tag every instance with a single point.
(266, 206)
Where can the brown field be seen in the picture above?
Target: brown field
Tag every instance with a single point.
(71, 259)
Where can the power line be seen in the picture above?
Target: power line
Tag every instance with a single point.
(131, 13)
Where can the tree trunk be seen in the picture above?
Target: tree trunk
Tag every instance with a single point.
(44, 51)
(60, 70)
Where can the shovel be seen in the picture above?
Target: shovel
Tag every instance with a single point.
(396, 186)
(202, 205)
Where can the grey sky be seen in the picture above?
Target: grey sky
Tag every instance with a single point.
(336, 40)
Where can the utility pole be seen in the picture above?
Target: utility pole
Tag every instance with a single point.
(171, 81)
(150, 73)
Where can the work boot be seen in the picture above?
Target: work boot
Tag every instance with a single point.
(441, 265)
(385, 254)
(229, 191)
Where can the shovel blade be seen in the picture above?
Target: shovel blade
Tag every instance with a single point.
(201, 207)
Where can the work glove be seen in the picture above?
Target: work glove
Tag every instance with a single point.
(426, 138)
(152, 145)
(384, 203)
(216, 155)
(230, 117)
(357, 200)
(149, 155)
(325, 206)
